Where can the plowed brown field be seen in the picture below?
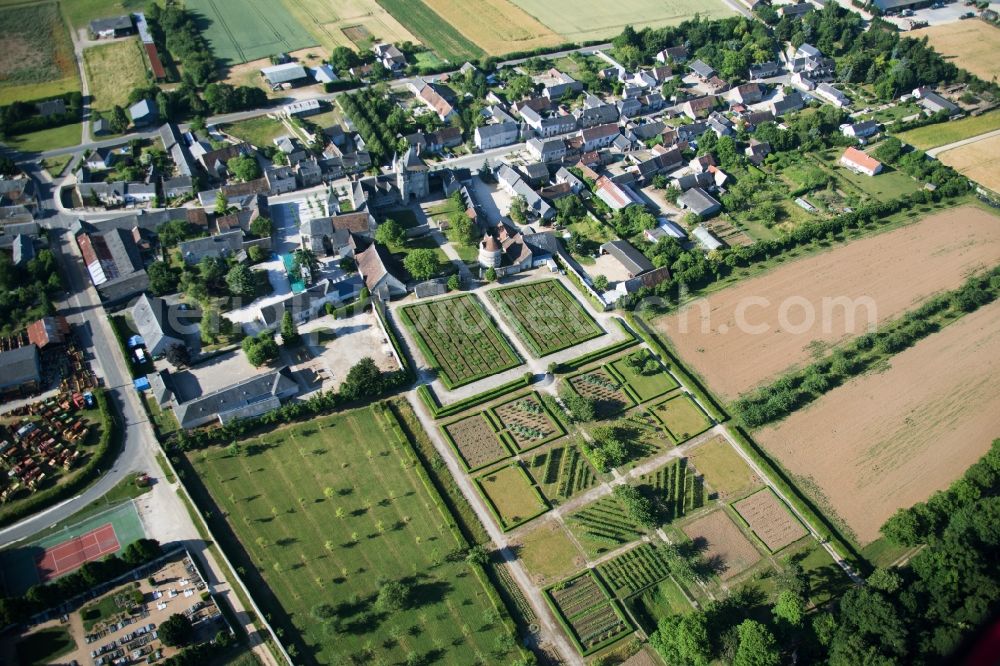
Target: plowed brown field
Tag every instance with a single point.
(896, 270)
(888, 440)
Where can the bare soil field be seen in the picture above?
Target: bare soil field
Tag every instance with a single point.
(912, 430)
(756, 330)
(325, 20)
(979, 161)
(972, 45)
(496, 26)
(475, 441)
(770, 520)
(724, 545)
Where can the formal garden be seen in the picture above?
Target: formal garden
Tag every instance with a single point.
(545, 315)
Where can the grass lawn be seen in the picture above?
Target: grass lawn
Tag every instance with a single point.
(645, 386)
(545, 315)
(428, 243)
(663, 599)
(260, 131)
(510, 491)
(682, 417)
(320, 515)
(113, 70)
(404, 216)
(825, 579)
(103, 609)
(932, 136)
(56, 165)
(592, 234)
(81, 12)
(724, 470)
(327, 118)
(549, 553)
(428, 59)
(456, 336)
(443, 209)
(47, 139)
(44, 646)
(467, 253)
(427, 26)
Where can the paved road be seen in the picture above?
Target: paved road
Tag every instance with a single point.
(934, 152)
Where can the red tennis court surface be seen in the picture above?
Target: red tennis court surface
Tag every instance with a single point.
(72, 554)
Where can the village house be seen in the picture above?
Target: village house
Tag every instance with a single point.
(390, 56)
(157, 324)
(434, 97)
(113, 27)
(860, 162)
(380, 273)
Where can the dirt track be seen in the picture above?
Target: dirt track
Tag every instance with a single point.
(889, 440)
(896, 270)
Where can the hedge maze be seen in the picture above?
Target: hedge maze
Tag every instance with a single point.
(459, 339)
(545, 316)
(562, 471)
(589, 615)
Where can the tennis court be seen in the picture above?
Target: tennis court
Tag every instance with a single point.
(62, 552)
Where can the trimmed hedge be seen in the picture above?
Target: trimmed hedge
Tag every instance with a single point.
(441, 411)
(676, 367)
(580, 361)
(104, 454)
(394, 340)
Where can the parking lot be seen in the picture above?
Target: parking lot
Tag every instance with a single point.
(948, 13)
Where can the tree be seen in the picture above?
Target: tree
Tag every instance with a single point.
(454, 282)
(519, 209)
(580, 408)
(256, 254)
(390, 232)
(260, 348)
(790, 609)
(213, 271)
(173, 232)
(461, 229)
(244, 167)
(393, 596)
(178, 355)
(343, 58)
(422, 264)
(304, 263)
(477, 556)
(240, 280)
(683, 639)
(520, 87)
(208, 326)
(118, 120)
(601, 283)
(757, 646)
(221, 203)
(261, 227)
(176, 630)
(162, 280)
(289, 331)
(363, 379)
(491, 274)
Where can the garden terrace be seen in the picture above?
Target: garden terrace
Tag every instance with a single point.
(682, 417)
(606, 392)
(675, 490)
(527, 421)
(769, 519)
(475, 441)
(458, 338)
(315, 512)
(642, 373)
(545, 316)
(603, 525)
(584, 608)
(511, 496)
(635, 569)
(562, 471)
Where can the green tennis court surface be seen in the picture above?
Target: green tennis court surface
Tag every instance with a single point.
(19, 565)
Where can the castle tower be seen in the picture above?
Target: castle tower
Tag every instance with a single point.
(411, 176)
(490, 254)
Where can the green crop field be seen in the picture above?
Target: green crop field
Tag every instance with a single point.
(545, 315)
(255, 29)
(941, 134)
(324, 512)
(436, 33)
(578, 20)
(458, 338)
(37, 56)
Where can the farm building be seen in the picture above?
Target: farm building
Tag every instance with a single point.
(933, 103)
(23, 249)
(48, 331)
(114, 263)
(324, 74)
(896, 6)
(305, 107)
(109, 28)
(699, 202)
(617, 196)
(830, 94)
(664, 229)
(143, 113)
(155, 323)
(20, 369)
(278, 75)
(860, 162)
(252, 397)
(632, 260)
(706, 238)
(378, 269)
